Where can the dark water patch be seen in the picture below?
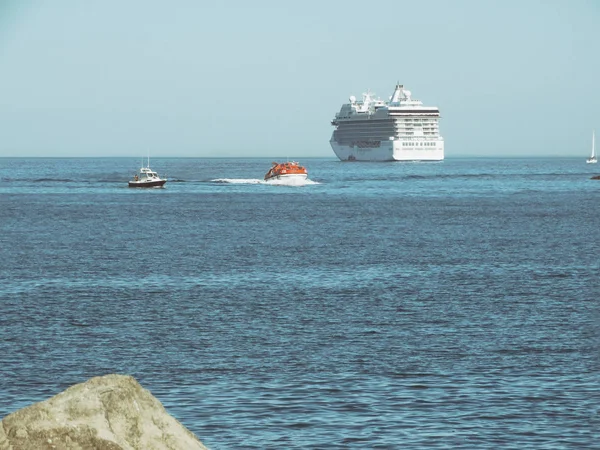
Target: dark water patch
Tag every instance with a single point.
(53, 180)
(451, 176)
(86, 180)
(80, 324)
(106, 180)
(300, 425)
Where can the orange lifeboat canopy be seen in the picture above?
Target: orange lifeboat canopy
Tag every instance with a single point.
(288, 168)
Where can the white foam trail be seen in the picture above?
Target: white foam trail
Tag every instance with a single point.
(285, 182)
(238, 180)
(291, 182)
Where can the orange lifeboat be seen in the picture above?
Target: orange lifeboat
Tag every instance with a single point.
(286, 171)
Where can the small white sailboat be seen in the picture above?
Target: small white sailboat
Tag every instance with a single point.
(592, 159)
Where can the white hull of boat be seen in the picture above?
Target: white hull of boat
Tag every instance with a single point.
(288, 177)
(389, 151)
(147, 184)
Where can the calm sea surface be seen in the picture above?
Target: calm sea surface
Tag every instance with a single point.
(383, 305)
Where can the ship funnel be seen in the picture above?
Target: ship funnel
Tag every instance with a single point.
(397, 95)
(400, 94)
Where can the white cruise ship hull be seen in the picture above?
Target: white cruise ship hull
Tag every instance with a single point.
(401, 129)
(390, 151)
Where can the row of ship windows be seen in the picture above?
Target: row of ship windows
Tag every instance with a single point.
(393, 119)
(417, 144)
(379, 128)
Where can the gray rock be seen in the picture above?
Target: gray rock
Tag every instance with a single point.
(112, 412)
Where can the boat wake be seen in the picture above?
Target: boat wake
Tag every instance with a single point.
(237, 180)
(285, 182)
(291, 182)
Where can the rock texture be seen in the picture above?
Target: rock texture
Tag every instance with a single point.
(112, 412)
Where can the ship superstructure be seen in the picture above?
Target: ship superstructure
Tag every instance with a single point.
(401, 129)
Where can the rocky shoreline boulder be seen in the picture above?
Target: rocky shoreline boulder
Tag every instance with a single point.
(112, 412)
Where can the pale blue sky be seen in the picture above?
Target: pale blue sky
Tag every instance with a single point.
(265, 78)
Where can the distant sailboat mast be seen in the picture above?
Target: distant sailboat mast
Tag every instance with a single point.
(592, 159)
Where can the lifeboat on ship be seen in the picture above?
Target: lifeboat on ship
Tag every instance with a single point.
(286, 171)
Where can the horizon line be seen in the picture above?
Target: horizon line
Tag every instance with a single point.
(299, 157)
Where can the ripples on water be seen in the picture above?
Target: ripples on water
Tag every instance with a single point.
(383, 306)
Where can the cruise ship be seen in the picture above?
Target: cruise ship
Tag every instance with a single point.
(399, 130)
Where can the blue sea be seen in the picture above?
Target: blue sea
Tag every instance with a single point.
(379, 306)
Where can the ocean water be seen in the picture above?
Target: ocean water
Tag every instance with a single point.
(381, 305)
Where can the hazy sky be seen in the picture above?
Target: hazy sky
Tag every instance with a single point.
(265, 78)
